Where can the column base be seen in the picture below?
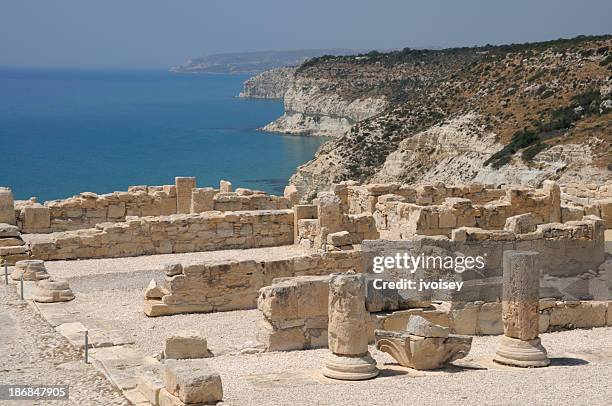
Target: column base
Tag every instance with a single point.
(519, 353)
(350, 368)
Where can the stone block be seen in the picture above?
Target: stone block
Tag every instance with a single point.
(186, 345)
(184, 187)
(421, 327)
(225, 186)
(586, 314)
(7, 206)
(192, 381)
(150, 385)
(36, 218)
(339, 239)
(202, 199)
(280, 340)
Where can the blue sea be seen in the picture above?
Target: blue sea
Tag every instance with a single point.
(63, 132)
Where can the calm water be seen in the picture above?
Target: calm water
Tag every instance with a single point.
(64, 132)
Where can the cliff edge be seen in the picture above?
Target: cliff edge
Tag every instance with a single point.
(511, 114)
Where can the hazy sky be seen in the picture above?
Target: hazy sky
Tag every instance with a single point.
(159, 34)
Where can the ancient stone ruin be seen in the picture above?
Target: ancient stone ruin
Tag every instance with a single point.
(520, 345)
(308, 269)
(349, 358)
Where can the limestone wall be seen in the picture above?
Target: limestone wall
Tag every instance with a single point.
(88, 209)
(363, 198)
(227, 286)
(169, 234)
(398, 219)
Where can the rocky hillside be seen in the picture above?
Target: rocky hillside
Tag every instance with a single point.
(271, 84)
(497, 114)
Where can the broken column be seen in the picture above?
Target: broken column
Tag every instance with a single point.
(202, 199)
(347, 330)
(520, 345)
(7, 206)
(52, 291)
(31, 269)
(184, 186)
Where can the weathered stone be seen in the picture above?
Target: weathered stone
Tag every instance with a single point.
(8, 231)
(7, 206)
(520, 345)
(154, 291)
(225, 186)
(36, 218)
(52, 291)
(186, 345)
(192, 381)
(150, 385)
(202, 199)
(521, 294)
(347, 330)
(31, 269)
(418, 326)
(173, 269)
(521, 224)
(521, 353)
(184, 187)
(422, 353)
(291, 193)
(11, 242)
(339, 239)
(347, 315)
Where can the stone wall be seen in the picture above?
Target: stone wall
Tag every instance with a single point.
(88, 209)
(315, 223)
(398, 219)
(204, 288)
(363, 198)
(169, 234)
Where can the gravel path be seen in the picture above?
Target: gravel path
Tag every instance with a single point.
(32, 352)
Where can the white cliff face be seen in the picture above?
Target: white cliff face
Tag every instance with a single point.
(271, 84)
(310, 110)
(454, 151)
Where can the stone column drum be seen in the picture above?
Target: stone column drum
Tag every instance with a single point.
(347, 332)
(520, 345)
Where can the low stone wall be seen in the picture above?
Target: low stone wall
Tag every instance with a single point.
(398, 219)
(88, 209)
(295, 315)
(363, 198)
(169, 234)
(204, 288)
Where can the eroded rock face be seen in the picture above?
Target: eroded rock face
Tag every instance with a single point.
(312, 110)
(271, 84)
(423, 353)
